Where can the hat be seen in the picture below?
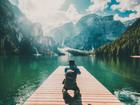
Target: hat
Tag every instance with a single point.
(71, 62)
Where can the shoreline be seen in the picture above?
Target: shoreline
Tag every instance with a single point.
(135, 56)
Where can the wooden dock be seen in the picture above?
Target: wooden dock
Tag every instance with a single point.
(92, 91)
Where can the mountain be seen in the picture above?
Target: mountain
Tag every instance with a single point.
(95, 31)
(127, 45)
(17, 34)
(129, 22)
(13, 37)
(61, 33)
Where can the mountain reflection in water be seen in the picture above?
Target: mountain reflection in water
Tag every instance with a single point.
(20, 76)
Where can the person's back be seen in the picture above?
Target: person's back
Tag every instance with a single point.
(72, 66)
(70, 79)
(71, 75)
(74, 71)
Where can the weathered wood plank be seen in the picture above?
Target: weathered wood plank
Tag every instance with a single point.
(92, 91)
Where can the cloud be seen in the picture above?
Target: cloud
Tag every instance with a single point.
(98, 5)
(124, 5)
(123, 19)
(73, 14)
(48, 13)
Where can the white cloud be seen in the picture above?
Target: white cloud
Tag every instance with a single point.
(124, 5)
(45, 12)
(130, 17)
(73, 14)
(48, 13)
(98, 5)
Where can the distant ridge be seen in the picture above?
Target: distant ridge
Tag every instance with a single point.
(127, 45)
(95, 31)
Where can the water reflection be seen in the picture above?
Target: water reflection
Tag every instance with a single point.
(126, 68)
(22, 75)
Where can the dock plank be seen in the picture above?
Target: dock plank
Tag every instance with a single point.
(92, 91)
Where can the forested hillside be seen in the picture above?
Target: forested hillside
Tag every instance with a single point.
(127, 45)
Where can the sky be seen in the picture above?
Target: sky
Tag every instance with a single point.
(54, 13)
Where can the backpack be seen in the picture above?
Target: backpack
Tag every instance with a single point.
(70, 79)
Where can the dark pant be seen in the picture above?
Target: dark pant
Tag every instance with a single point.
(75, 88)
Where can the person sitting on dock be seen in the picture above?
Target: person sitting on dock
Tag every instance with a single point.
(70, 78)
(72, 66)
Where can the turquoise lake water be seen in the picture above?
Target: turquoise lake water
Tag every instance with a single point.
(20, 76)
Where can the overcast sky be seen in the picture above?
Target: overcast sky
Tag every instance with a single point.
(53, 13)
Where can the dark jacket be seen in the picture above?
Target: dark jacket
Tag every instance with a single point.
(75, 69)
(70, 77)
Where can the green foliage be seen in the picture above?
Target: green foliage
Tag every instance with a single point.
(127, 45)
(18, 35)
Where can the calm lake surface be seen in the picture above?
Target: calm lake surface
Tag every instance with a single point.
(20, 76)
